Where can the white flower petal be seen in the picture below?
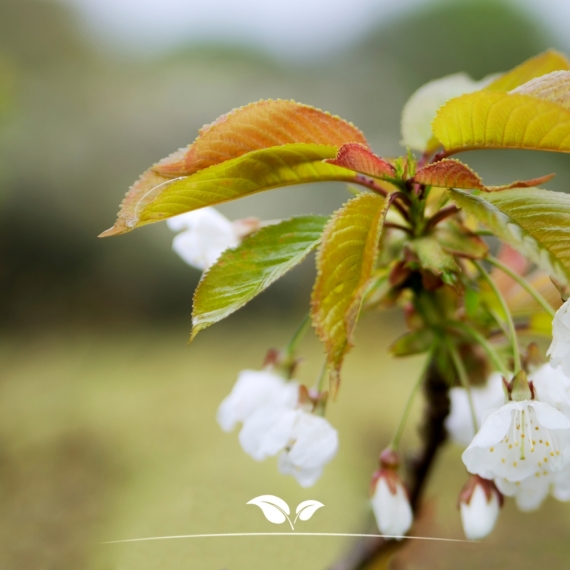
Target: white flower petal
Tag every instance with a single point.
(207, 233)
(305, 477)
(553, 387)
(267, 431)
(314, 441)
(253, 389)
(393, 512)
(459, 423)
(549, 416)
(559, 350)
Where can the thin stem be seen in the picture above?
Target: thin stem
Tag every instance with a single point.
(322, 376)
(298, 335)
(508, 316)
(487, 347)
(524, 284)
(400, 429)
(398, 227)
(441, 215)
(371, 185)
(462, 373)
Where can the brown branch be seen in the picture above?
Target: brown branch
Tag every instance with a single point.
(372, 551)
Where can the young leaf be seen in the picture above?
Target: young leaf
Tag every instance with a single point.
(242, 273)
(554, 87)
(489, 119)
(432, 256)
(307, 509)
(535, 222)
(257, 126)
(359, 158)
(534, 67)
(457, 240)
(422, 106)
(451, 173)
(253, 172)
(274, 508)
(345, 263)
(413, 342)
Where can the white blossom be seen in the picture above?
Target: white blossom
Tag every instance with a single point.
(205, 234)
(559, 350)
(313, 442)
(479, 508)
(459, 423)
(552, 385)
(255, 389)
(390, 504)
(307, 441)
(531, 492)
(518, 440)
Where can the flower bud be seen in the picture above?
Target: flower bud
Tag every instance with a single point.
(390, 501)
(479, 504)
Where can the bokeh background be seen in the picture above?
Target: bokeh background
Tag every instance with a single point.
(107, 418)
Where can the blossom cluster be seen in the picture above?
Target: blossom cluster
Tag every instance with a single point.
(516, 432)
(522, 447)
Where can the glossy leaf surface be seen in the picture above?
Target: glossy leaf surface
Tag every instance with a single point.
(502, 120)
(253, 172)
(242, 273)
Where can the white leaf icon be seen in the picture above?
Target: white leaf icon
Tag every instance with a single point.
(274, 508)
(306, 509)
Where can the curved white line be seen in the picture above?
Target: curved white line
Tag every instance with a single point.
(354, 535)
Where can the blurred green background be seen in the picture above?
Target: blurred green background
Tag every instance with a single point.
(107, 418)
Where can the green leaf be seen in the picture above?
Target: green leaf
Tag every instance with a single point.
(413, 342)
(345, 265)
(489, 119)
(253, 172)
(242, 273)
(533, 221)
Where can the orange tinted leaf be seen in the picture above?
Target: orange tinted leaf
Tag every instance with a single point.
(256, 126)
(542, 64)
(345, 264)
(502, 120)
(253, 172)
(359, 158)
(451, 173)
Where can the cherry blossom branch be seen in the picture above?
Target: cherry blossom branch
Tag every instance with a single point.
(370, 552)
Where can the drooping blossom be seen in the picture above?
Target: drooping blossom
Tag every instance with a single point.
(459, 422)
(255, 389)
(306, 442)
(518, 440)
(205, 234)
(389, 498)
(479, 505)
(559, 350)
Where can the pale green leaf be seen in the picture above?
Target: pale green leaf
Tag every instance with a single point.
(242, 273)
(533, 221)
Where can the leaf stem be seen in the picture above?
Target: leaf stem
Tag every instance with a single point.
(507, 314)
(298, 335)
(462, 373)
(524, 284)
(395, 443)
(485, 344)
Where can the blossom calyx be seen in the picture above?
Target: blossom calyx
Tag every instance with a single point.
(479, 503)
(519, 388)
